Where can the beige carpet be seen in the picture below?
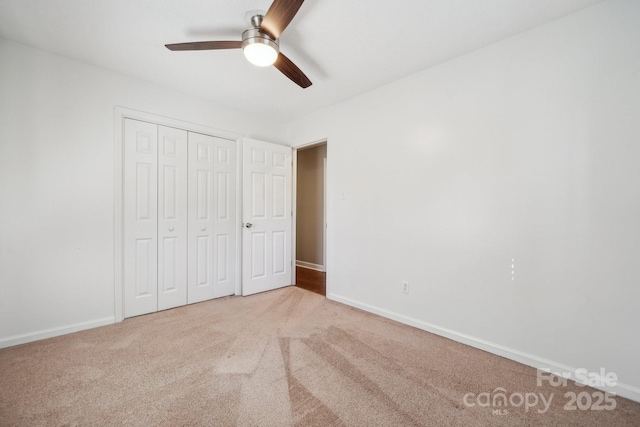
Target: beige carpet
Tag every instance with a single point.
(287, 357)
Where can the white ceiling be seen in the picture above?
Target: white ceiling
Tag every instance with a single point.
(345, 47)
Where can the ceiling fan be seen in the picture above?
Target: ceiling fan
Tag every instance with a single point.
(260, 42)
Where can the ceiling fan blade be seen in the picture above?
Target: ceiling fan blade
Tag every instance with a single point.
(279, 16)
(290, 70)
(205, 45)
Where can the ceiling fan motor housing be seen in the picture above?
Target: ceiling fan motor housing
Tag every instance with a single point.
(253, 35)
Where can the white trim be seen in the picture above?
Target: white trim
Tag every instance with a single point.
(122, 113)
(294, 213)
(54, 332)
(310, 144)
(324, 211)
(118, 192)
(309, 265)
(621, 389)
(327, 229)
(239, 216)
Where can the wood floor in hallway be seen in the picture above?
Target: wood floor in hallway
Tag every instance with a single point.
(311, 280)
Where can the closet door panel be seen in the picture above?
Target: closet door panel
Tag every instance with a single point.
(140, 240)
(225, 227)
(200, 274)
(172, 217)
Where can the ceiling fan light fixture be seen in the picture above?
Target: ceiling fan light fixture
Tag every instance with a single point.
(258, 48)
(260, 42)
(260, 54)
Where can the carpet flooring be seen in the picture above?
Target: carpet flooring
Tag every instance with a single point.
(281, 358)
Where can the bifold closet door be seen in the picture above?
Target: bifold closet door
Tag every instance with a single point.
(180, 225)
(212, 212)
(172, 217)
(225, 219)
(140, 218)
(155, 217)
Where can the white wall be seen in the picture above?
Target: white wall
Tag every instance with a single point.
(57, 184)
(528, 149)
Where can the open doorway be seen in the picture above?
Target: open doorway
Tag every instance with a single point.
(311, 172)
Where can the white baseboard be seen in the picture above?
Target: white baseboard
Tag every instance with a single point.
(309, 265)
(54, 332)
(621, 389)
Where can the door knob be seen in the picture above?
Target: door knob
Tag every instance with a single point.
(170, 228)
(204, 229)
(248, 225)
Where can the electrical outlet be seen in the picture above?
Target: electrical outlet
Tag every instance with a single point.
(405, 287)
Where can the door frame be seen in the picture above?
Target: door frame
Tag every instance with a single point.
(294, 206)
(122, 113)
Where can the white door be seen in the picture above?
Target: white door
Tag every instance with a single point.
(200, 274)
(172, 217)
(225, 224)
(140, 238)
(266, 248)
(212, 217)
